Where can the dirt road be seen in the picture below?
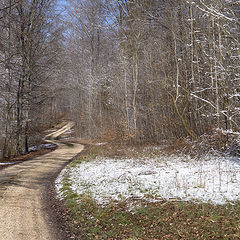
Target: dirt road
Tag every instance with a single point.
(21, 187)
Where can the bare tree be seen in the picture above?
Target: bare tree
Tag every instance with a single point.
(26, 39)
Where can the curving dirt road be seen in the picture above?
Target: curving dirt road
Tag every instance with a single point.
(21, 186)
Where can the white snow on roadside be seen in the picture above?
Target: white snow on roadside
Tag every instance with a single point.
(100, 143)
(7, 163)
(42, 146)
(213, 179)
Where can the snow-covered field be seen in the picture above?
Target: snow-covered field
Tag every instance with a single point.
(213, 179)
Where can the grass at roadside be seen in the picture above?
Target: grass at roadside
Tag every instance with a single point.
(162, 220)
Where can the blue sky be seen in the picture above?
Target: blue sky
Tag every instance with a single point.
(61, 6)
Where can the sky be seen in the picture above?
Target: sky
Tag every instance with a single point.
(61, 6)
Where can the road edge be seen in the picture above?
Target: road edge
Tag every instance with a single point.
(56, 214)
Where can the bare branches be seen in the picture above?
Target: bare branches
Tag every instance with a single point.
(26, 46)
(139, 70)
(7, 6)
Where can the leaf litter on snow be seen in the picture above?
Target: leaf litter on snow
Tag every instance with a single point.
(211, 179)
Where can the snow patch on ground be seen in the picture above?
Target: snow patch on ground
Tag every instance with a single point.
(212, 179)
(42, 146)
(7, 163)
(154, 148)
(100, 143)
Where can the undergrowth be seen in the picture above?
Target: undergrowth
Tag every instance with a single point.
(162, 220)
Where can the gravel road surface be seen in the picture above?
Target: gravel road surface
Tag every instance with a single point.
(22, 210)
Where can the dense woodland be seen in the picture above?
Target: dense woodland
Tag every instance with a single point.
(139, 70)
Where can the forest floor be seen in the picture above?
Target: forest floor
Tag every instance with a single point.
(141, 192)
(29, 208)
(23, 187)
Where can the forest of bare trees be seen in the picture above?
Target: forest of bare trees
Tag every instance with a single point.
(151, 70)
(140, 70)
(29, 40)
